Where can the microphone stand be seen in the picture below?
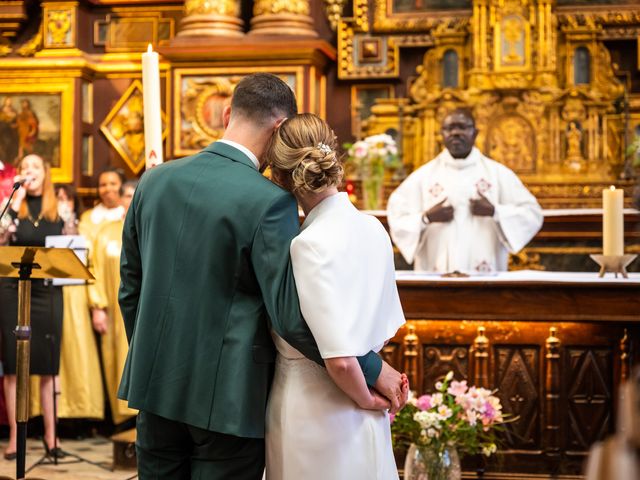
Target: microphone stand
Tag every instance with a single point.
(16, 186)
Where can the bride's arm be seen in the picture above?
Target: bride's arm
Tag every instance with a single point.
(347, 375)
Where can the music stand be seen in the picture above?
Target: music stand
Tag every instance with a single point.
(25, 264)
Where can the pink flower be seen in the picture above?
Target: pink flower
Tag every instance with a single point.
(392, 417)
(457, 388)
(424, 402)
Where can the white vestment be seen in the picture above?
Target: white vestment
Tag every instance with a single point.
(343, 267)
(468, 243)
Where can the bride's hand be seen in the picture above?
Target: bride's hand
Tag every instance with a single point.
(378, 402)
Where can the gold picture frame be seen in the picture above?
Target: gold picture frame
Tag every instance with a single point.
(200, 94)
(389, 17)
(124, 127)
(43, 123)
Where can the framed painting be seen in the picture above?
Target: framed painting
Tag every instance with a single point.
(38, 118)
(416, 15)
(201, 94)
(124, 127)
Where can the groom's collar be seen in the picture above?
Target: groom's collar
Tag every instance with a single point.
(235, 152)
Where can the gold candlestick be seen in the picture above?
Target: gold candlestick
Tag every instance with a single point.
(613, 263)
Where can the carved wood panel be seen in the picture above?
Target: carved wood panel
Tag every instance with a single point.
(439, 360)
(517, 378)
(589, 392)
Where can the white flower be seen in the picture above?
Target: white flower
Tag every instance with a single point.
(436, 399)
(444, 412)
(449, 376)
(488, 450)
(438, 386)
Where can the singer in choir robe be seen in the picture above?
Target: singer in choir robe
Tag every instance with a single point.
(107, 319)
(462, 211)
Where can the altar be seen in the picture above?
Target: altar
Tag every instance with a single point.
(555, 346)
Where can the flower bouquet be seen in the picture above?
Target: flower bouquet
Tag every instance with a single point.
(369, 158)
(457, 419)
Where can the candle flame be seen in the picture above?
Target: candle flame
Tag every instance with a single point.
(149, 49)
(612, 187)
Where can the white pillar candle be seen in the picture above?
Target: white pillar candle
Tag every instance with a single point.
(152, 113)
(612, 221)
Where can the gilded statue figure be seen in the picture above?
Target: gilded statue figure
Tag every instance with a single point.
(574, 143)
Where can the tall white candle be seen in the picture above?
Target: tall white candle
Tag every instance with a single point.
(152, 115)
(612, 221)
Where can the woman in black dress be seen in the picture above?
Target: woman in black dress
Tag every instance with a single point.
(35, 216)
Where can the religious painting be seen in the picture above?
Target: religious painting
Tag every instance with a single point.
(200, 98)
(124, 127)
(417, 15)
(415, 6)
(38, 118)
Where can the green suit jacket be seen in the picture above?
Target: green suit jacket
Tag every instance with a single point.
(205, 272)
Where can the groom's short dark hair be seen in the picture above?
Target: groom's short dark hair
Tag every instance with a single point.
(261, 97)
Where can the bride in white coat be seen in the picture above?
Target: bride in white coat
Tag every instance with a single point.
(326, 423)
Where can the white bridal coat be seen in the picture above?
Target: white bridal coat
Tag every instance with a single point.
(343, 267)
(468, 243)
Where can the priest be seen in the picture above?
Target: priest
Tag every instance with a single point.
(462, 211)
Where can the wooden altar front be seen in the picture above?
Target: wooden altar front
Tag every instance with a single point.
(554, 345)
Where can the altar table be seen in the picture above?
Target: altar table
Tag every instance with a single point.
(555, 345)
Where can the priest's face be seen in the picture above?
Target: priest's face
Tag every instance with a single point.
(458, 134)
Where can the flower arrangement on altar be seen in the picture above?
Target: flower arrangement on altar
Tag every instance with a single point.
(368, 159)
(456, 419)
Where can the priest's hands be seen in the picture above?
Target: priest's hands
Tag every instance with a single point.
(394, 386)
(482, 207)
(439, 212)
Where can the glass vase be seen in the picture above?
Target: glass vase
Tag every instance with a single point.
(372, 192)
(423, 463)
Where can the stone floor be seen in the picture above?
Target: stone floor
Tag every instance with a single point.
(97, 455)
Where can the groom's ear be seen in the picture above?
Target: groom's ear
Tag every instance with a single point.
(226, 116)
(278, 123)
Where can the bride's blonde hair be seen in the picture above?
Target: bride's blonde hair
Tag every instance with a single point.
(302, 154)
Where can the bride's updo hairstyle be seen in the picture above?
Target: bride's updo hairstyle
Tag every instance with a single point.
(303, 156)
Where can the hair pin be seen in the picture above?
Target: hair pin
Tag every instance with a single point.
(324, 148)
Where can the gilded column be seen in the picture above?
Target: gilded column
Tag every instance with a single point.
(481, 359)
(411, 357)
(282, 17)
(552, 394)
(211, 18)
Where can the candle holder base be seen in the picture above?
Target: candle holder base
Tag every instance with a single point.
(613, 263)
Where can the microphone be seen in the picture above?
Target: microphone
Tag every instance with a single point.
(21, 182)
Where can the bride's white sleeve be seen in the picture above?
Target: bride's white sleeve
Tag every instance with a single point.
(349, 312)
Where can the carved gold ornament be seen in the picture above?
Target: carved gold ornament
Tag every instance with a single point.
(59, 24)
(206, 7)
(333, 9)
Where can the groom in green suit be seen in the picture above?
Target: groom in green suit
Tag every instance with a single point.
(205, 274)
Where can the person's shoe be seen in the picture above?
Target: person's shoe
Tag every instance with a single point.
(56, 452)
(10, 455)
